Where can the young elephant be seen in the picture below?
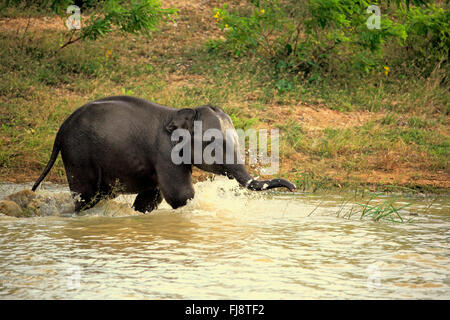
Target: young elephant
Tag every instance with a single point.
(127, 140)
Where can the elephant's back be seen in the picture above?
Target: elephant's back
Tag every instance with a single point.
(112, 125)
(113, 115)
(109, 108)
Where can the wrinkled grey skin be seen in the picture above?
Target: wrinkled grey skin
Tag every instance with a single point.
(127, 141)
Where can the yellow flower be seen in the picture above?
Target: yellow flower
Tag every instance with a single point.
(217, 16)
(262, 11)
(386, 70)
(108, 54)
(226, 26)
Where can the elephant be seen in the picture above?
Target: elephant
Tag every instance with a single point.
(126, 141)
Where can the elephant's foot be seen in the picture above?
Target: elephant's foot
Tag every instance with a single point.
(84, 201)
(147, 200)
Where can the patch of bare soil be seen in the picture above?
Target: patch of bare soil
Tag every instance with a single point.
(406, 177)
(320, 118)
(32, 24)
(177, 80)
(317, 118)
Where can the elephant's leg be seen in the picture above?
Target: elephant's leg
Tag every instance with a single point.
(176, 185)
(147, 200)
(85, 188)
(86, 200)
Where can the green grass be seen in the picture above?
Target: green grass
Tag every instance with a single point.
(41, 85)
(294, 136)
(386, 211)
(363, 205)
(375, 209)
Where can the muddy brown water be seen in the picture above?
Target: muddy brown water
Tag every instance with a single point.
(227, 244)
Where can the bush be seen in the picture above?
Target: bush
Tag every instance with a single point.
(428, 36)
(314, 38)
(106, 16)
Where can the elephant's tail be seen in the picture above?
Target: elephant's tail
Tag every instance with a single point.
(51, 162)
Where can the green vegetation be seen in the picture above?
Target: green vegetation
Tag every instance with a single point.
(354, 106)
(106, 16)
(317, 39)
(384, 211)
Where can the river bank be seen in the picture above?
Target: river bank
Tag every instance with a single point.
(380, 133)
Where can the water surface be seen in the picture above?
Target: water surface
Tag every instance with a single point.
(227, 244)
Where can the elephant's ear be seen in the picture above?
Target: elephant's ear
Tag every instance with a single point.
(182, 119)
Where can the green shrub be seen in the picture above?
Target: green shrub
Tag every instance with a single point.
(317, 38)
(137, 16)
(428, 39)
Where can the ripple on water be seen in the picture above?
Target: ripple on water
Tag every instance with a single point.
(226, 243)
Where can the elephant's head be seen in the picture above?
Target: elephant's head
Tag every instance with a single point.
(214, 145)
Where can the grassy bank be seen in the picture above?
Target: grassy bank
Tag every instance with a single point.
(379, 131)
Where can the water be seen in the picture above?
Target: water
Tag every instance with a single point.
(227, 244)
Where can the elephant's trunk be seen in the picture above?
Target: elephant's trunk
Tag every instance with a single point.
(239, 172)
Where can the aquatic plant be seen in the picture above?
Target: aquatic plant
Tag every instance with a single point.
(385, 210)
(372, 209)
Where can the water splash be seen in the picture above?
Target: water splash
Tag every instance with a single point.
(217, 197)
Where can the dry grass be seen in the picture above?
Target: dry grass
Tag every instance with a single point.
(383, 135)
